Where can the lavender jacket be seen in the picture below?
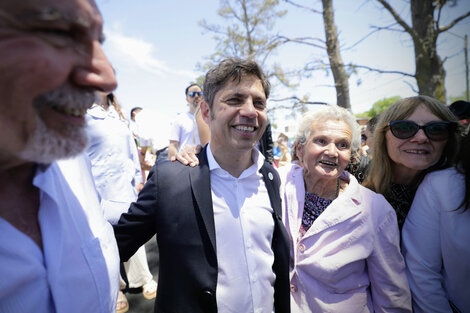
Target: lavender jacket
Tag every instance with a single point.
(349, 260)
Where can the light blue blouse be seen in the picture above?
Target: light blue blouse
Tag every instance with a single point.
(78, 269)
(114, 159)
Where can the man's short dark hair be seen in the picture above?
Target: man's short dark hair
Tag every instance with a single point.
(461, 109)
(372, 123)
(187, 88)
(135, 109)
(234, 69)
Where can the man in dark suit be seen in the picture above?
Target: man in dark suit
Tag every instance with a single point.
(222, 244)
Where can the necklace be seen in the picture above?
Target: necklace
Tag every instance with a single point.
(337, 189)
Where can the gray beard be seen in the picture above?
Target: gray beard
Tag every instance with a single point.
(45, 145)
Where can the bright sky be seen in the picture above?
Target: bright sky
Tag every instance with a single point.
(154, 46)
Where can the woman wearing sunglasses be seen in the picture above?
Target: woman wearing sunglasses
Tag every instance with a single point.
(413, 137)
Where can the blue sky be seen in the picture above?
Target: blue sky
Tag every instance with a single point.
(155, 46)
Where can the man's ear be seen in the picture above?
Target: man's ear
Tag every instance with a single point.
(205, 111)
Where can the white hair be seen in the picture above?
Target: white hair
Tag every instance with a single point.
(326, 113)
(45, 145)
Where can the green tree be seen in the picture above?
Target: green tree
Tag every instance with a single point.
(456, 98)
(379, 106)
(248, 34)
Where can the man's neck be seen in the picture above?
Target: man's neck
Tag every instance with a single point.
(192, 109)
(233, 162)
(19, 200)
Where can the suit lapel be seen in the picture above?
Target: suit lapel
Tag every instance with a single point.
(273, 190)
(201, 188)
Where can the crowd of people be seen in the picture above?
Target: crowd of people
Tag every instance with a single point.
(242, 224)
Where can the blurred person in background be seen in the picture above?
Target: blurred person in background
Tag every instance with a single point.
(282, 155)
(118, 178)
(142, 139)
(369, 133)
(185, 129)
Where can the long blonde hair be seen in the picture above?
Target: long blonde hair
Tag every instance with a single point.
(379, 176)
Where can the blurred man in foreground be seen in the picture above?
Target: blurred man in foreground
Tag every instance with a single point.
(57, 252)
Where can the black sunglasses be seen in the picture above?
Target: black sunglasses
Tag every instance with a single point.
(437, 131)
(192, 94)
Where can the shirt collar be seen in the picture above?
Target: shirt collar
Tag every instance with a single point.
(257, 157)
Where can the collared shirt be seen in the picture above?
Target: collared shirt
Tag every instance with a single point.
(115, 162)
(184, 130)
(244, 228)
(435, 244)
(78, 268)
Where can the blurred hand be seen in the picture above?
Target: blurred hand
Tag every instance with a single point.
(187, 155)
(139, 187)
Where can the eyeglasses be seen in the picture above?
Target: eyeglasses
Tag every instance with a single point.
(437, 131)
(192, 94)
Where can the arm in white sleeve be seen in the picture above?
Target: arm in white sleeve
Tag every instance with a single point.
(422, 251)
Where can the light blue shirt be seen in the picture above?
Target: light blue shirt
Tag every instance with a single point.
(435, 243)
(78, 268)
(114, 159)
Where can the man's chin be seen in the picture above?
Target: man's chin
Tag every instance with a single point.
(46, 146)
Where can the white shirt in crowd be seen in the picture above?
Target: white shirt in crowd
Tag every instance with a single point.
(184, 130)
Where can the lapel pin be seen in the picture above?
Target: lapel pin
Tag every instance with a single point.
(270, 175)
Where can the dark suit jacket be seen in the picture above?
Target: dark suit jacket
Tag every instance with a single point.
(266, 144)
(176, 204)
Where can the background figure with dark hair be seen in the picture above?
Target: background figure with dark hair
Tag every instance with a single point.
(461, 109)
(413, 137)
(141, 137)
(360, 161)
(436, 239)
(118, 177)
(369, 132)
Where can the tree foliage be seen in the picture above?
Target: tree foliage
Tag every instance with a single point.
(247, 34)
(379, 106)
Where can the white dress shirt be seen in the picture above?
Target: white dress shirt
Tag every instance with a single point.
(244, 229)
(78, 268)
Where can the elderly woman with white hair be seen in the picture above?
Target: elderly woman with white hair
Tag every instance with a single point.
(345, 247)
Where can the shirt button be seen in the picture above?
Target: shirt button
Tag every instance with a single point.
(293, 288)
(253, 278)
(301, 248)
